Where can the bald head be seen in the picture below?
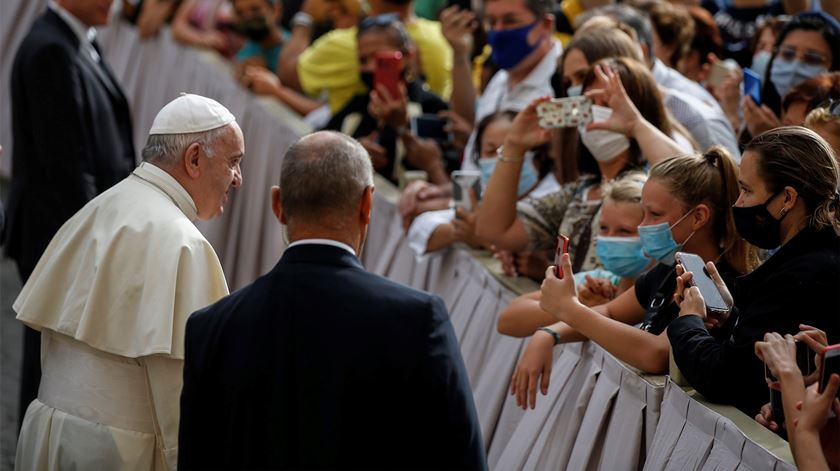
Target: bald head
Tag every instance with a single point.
(323, 178)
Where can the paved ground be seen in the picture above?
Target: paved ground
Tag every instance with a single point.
(11, 333)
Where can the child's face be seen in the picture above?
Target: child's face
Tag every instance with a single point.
(620, 219)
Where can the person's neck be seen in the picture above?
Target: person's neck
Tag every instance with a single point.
(793, 224)
(521, 71)
(274, 38)
(343, 236)
(62, 5)
(704, 245)
(612, 168)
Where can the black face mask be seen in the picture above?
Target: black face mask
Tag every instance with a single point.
(757, 226)
(256, 29)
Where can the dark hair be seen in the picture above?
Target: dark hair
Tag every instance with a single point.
(773, 23)
(596, 45)
(707, 39)
(798, 157)
(812, 21)
(710, 178)
(814, 91)
(542, 161)
(643, 92)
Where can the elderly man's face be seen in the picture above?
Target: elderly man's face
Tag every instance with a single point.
(220, 173)
(89, 12)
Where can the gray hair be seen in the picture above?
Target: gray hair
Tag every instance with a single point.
(168, 148)
(323, 177)
(632, 17)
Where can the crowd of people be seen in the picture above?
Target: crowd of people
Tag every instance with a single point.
(714, 132)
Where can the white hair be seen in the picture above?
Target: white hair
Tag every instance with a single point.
(168, 148)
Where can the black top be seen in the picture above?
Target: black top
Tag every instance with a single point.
(797, 285)
(321, 365)
(655, 292)
(387, 137)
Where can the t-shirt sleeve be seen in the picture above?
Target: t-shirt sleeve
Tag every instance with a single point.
(330, 65)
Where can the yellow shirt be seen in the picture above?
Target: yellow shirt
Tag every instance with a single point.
(331, 63)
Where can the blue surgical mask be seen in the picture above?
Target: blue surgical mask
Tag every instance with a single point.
(786, 74)
(574, 90)
(658, 242)
(622, 255)
(760, 62)
(510, 46)
(527, 177)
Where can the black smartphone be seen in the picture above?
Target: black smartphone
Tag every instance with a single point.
(830, 365)
(703, 280)
(804, 360)
(430, 126)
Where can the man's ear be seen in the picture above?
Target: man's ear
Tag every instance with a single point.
(366, 205)
(191, 160)
(277, 204)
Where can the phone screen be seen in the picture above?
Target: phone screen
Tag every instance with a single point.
(830, 365)
(561, 247)
(430, 126)
(752, 85)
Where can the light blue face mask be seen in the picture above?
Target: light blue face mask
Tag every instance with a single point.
(574, 90)
(658, 242)
(760, 62)
(527, 177)
(785, 74)
(622, 255)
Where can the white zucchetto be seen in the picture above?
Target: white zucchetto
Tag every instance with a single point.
(189, 114)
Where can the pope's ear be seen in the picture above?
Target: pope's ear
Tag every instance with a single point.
(191, 160)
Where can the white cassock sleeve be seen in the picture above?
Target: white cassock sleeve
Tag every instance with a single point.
(164, 376)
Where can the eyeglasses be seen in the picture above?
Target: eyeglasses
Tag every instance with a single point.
(385, 19)
(789, 53)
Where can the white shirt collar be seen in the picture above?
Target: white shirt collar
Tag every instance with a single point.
(85, 33)
(331, 242)
(166, 183)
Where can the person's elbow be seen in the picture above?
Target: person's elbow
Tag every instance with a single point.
(654, 359)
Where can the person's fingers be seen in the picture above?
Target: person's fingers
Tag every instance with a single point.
(521, 394)
(566, 263)
(532, 389)
(835, 406)
(549, 273)
(513, 382)
(546, 377)
(832, 386)
(759, 350)
(680, 269)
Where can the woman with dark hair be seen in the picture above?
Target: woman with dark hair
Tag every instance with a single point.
(788, 200)
(809, 45)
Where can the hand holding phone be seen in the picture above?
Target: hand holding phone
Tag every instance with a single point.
(569, 112)
(561, 246)
(830, 365)
(752, 86)
(463, 181)
(716, 304)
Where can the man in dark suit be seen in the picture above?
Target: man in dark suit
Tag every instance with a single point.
(72, 139)
(320, 364)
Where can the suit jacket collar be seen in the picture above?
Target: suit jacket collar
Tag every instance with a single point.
(319, 254)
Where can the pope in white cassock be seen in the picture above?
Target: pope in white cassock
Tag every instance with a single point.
(112, 293)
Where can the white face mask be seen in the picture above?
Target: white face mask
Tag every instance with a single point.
(602, 144)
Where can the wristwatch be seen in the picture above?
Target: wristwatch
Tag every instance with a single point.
(551, 333)
(302, 19)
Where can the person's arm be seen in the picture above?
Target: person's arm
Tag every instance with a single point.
(263, 82)
(807, 446)
(634, 346)
(185, 33)
(626, 119)
(298, 41)
(153, 14)
(497, 220)
(164, 377)
(523, 316)
(458, 27)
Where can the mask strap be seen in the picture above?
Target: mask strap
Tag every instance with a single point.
(683, 217)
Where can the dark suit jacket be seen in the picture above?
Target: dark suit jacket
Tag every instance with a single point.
(319, 364)
(72, 136)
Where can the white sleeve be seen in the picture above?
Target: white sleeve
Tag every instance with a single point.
(424, 225)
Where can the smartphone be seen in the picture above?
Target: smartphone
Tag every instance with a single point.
(561, 246)
(569, 112)
(430, 126)
(701, 279)
(804, 360)
(830, 365)
(720, 70)
(388, 71)
(462, 181)
(752, 85)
